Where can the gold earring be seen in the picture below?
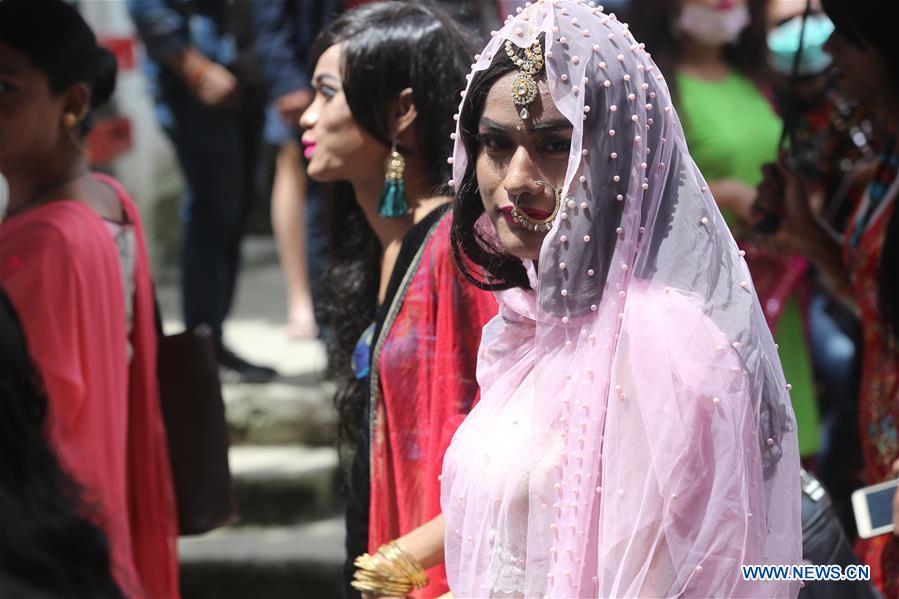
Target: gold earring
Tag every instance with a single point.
(70, 120)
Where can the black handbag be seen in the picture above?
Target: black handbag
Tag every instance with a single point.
(194, 414)
(824, 543)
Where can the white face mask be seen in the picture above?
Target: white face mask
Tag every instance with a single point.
(712, 26)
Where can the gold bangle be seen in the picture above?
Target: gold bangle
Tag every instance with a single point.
(380, 587)
(369, 579)
(410, 566)
(379, 577)
(391, 572)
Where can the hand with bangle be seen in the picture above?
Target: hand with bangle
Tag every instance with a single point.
(390, 572)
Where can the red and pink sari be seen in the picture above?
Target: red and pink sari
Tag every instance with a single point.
(422, 386)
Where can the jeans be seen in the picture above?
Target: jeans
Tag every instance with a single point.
(218, 154)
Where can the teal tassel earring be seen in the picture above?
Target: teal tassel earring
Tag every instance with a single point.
(393, 196)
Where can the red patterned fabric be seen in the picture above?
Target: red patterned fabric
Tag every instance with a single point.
(775, 279)
(426, 386)
(60, 268)
(879, 392)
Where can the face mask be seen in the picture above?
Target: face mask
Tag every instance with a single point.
(783, 43)
(712, 26)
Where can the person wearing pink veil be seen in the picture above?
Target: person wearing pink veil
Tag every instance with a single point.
(635, 435)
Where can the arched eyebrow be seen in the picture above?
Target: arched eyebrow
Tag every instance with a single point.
(328, 79)
(543, 127)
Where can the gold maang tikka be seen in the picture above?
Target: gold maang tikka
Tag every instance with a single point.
(524, 87)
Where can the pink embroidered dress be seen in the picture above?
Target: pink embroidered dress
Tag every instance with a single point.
(635, 435)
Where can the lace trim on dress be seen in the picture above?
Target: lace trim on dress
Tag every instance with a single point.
(507, 571)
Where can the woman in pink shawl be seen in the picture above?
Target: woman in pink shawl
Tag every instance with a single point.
(635, 435)
(74, 264)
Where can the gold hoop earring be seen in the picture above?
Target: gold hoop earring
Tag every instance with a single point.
(533, 224)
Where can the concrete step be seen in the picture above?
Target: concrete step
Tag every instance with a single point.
(299, 561)
(293, 409)
(296, 407)
(285, 484)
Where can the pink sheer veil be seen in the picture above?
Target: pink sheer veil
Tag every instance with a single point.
(635, 435)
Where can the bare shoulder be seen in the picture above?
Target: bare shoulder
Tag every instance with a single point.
(100, 196)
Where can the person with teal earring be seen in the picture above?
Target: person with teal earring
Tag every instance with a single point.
(387, 78)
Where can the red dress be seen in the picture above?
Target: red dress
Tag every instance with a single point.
(60, 267)
(423, 385)
(879, 391)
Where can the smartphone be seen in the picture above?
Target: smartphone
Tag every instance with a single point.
(873, 507)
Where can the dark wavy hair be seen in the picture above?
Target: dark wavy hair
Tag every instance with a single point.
(57, 40)
(653, 23)
(47, 546)
(389, 46)
(870, 24)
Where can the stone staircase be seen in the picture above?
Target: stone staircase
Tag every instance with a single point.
(289, 541)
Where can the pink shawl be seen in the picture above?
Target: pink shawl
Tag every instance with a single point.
(635, 435)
